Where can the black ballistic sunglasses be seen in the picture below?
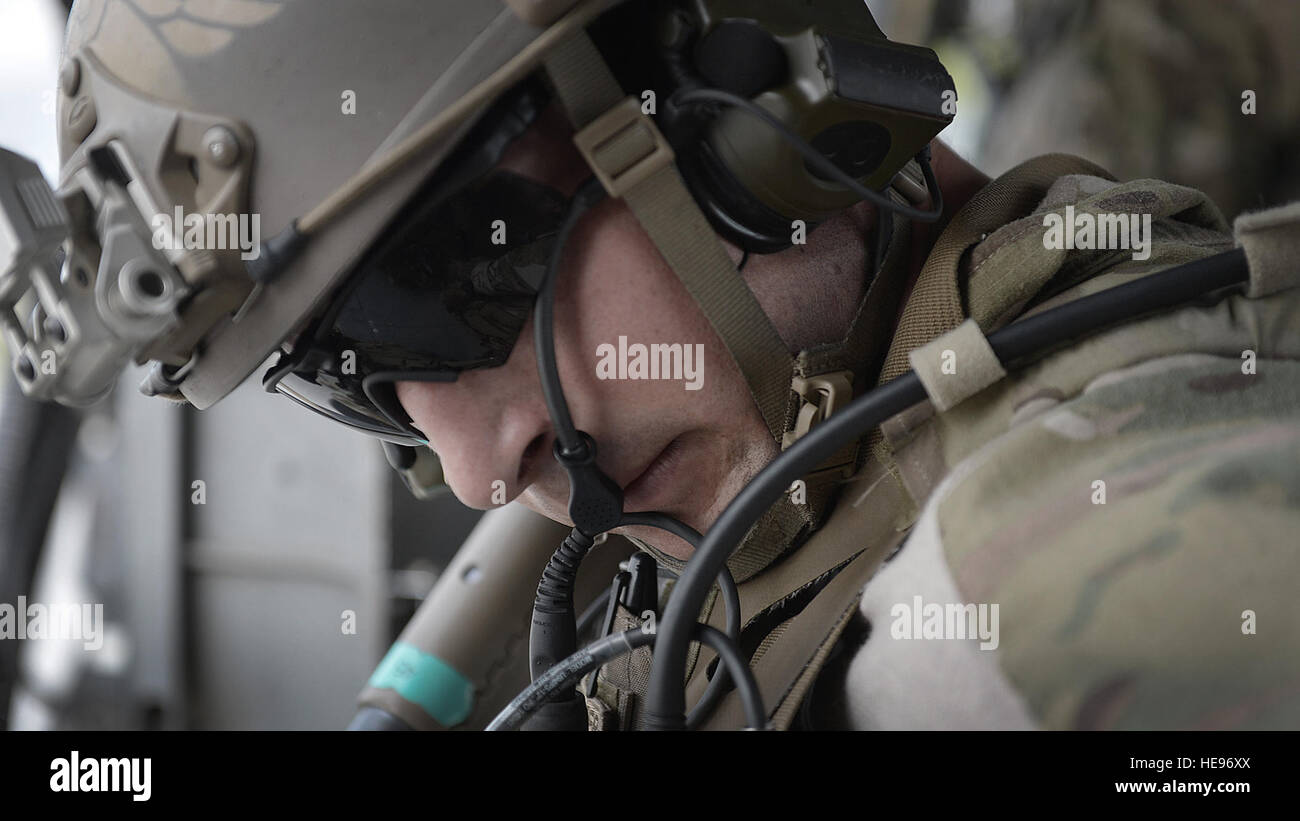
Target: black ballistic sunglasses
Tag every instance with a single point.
(435, 295)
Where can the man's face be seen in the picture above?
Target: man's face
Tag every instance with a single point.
(677, 451)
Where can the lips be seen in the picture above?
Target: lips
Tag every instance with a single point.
(647, 491)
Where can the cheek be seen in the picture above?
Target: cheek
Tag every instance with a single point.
(410, 397)
(615, 284)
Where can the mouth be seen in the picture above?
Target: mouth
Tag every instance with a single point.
(649, 490)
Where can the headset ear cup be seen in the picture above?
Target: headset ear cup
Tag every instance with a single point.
(735, 213)
(710, 62)
(829, 87)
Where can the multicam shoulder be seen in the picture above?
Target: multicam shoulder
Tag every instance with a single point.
(1122, 556)
(1141, 542)
(1109, 537)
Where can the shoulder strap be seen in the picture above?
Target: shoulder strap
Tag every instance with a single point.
(935, 305)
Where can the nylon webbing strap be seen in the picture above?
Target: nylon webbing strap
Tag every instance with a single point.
(684, 237)
(585, 84)
(634, 163)
(935, 305)
(861, 351)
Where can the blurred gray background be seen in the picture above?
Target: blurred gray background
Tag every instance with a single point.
(228, 614)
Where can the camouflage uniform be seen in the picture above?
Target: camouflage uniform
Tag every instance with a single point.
(1128, 610)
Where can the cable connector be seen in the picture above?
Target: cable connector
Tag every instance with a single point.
(595, 500)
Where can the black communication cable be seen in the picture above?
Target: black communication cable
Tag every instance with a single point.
(718, 685)
(545, 637)
(553, 634)
(726, 582)
(567, 673)
(567, 436)
(564, 675)
(1026, 339)
(738, 667)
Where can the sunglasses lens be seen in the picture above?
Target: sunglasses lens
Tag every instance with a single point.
(452, 288)
(339, 405)
(449, 288)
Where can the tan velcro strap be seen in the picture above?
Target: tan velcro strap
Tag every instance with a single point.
(956, 366)
(1271, 240)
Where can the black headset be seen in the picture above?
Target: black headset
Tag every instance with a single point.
(831, 87)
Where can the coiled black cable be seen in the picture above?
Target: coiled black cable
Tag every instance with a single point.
(554, 633)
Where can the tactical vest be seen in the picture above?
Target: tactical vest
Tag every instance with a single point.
(801, 569)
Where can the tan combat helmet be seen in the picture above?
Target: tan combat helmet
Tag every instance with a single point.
(257, 109)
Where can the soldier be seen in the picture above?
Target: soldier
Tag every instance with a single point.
(1097, 539)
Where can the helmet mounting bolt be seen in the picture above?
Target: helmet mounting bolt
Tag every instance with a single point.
(222, 145)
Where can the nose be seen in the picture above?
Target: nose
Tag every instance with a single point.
(491, 437)
(490, 434)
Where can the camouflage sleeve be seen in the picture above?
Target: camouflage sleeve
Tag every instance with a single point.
(1125, 558)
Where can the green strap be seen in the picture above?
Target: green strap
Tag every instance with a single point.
(688, 244)
(581, 78)
(669, 215)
